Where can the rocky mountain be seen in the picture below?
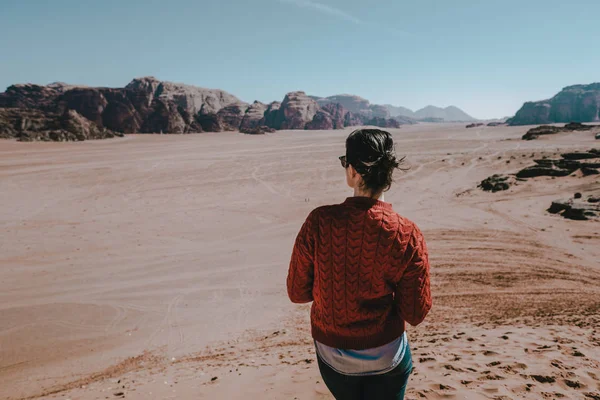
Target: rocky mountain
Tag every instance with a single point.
(448, 114)
(147, 105)
(358, 105)
(399, 111)
(578, 103)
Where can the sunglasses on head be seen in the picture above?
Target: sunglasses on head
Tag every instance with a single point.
(343, 161)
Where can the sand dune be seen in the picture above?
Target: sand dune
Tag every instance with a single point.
(147, 266)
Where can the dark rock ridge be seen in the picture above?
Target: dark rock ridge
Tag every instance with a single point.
(28, 125)
(534, 133)
(587, 162)
(579, 103)
(568, 164)
(495, 183)
(474, 125)
(576, 208)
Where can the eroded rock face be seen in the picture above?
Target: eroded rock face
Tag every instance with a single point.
(29, 96)
(147, 105)
(30, 125)
(574, 103)
(231, 116)
(352, 119)
(337, 113)
(297, 110)
(253, 115)
(321, 121)
(270, 115)
(190, 98)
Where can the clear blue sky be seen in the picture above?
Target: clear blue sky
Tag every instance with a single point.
(485, 56)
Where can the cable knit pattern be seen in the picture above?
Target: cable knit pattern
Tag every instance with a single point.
(366, 270)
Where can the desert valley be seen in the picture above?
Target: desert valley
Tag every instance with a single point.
(153, 266)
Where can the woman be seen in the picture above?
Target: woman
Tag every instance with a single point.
(366, 270)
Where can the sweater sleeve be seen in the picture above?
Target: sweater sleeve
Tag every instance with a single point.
(301, 272)
(413, 292)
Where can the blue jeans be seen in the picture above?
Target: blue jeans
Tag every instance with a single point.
(388, 386)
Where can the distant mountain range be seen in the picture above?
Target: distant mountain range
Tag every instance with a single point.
(405, 115)
(60, 111)
(577, 103)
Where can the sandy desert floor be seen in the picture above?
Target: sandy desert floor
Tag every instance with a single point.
(153, 267)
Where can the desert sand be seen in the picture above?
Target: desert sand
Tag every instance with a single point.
(153, 266)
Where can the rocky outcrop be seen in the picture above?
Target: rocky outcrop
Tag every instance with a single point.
(163, 118)
(337, 113)
(297, 110)
(587, 162)
(563, 167)
(193, 99)
(576, 208)
(352, 119)
(231, 116)
(270, 115)
(321, 121)
(579, 103)
(496, 124)
(29, 125)
(209, 122)
(253, 115)
(29, 97)
(474, 125)
(495, 183)
(147, 105)
(534, 133)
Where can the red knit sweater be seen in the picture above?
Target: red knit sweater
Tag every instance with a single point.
(366, 270)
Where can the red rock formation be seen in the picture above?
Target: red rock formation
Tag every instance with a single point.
(321, 121)
(580, 103)
(231, 116)
(338, 114)
(297, 109)
(253, 116)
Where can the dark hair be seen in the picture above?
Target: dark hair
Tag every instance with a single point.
(372, 154)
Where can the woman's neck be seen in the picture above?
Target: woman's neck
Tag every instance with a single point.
(360, 193)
